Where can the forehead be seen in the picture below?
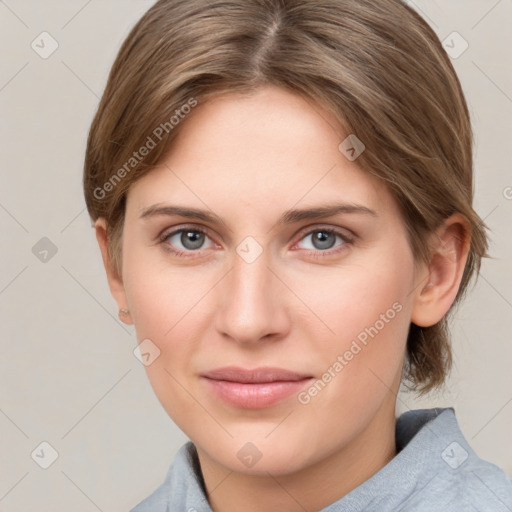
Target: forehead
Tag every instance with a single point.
(260, 154)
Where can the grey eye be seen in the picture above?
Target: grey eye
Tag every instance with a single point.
(322, 240)
(188, 240)
(192, 239)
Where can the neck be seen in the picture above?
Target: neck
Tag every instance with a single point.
(312, 488)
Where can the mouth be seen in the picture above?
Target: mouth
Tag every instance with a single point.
(256, 388)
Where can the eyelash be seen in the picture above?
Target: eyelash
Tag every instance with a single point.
(347, 240)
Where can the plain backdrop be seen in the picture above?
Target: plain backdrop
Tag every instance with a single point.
(68, 376)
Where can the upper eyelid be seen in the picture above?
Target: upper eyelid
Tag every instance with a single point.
(335, 229)
(172, 231)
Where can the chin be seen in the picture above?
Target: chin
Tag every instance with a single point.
(260, 456)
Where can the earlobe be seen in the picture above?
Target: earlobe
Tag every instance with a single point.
(450, 247)
(114, 278)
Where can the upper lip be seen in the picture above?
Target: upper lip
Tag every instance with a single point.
(254, 376)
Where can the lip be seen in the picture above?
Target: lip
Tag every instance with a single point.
(254, 388)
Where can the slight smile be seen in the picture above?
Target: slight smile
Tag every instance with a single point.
(254, 388)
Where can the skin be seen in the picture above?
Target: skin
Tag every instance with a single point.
(248, 159)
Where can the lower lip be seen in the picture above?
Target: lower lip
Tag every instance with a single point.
(255, 396)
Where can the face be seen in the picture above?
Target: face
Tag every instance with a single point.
(274, 276)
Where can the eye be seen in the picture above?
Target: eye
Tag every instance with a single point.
(186, 240)
(324, 240)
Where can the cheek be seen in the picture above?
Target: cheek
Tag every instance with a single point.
(364, 292)
(367, 307)
(160, 296)
(172, 309)
(169, 311)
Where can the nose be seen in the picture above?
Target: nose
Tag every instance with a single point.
(252, 303)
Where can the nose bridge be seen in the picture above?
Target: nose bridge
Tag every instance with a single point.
(250, 309)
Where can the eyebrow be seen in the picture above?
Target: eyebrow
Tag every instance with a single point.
(288, 217)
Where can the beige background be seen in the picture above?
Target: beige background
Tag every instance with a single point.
(67, 372)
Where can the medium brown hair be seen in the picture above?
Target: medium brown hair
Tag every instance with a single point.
(376, 65)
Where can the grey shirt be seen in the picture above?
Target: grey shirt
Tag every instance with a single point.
(435, 469)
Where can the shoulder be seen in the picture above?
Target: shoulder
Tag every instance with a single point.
(478, 487)
(458, 479)
(482, 486)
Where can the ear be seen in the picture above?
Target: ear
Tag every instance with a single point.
(115, 281)
(449, 253)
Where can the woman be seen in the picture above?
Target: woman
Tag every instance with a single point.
(282, 195)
